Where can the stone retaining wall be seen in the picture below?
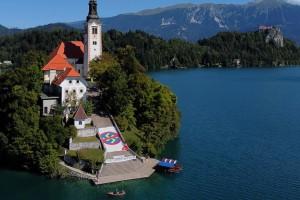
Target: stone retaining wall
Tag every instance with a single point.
(84, 145)
(87, 132)
(74, 163)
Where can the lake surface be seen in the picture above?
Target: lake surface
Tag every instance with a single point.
(240, 139)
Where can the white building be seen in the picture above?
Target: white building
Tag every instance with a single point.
(72, 52)
(80, 118)
(92, 37)
(70, 87)
(69, 63)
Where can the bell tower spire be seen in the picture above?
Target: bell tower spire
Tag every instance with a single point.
(92, 11)
(92, 36)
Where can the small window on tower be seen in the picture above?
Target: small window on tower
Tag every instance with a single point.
(94, 30)
(94, 42)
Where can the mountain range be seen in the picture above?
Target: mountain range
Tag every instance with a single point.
(193, 22)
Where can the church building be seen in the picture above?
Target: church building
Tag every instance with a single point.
(69, 64)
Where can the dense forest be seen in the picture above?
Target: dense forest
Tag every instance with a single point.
(27, 140)
(155, 53)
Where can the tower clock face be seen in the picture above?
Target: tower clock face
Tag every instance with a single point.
(94, 36)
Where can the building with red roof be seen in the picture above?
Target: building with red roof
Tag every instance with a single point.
(69, 63)
(80, 118)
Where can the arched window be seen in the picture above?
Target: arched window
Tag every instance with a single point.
(94, 30)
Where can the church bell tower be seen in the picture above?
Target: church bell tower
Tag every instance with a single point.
(92, 36)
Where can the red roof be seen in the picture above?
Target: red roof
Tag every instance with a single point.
(72, 49)
(80, 113)
(57, 63)
(70, 72)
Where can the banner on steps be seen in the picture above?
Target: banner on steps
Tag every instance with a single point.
(117, 159)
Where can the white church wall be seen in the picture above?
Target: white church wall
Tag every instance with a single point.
(79, 124)
(72, 86)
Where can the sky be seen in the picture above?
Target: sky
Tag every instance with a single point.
(31, 13)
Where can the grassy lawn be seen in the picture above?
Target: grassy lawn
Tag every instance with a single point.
(88, 154)
(85, 139)
(88, 126)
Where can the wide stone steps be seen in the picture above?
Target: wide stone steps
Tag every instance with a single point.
(128, 170)
(121, 168)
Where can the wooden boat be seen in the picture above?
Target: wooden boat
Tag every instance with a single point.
(117, 193)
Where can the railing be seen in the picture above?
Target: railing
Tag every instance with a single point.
(137, 156)
(116, 126)
(113, 121)
(100, 170)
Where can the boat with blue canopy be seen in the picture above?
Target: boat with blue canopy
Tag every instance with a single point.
(168, 165)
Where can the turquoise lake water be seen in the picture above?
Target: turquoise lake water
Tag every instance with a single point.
(240, 139)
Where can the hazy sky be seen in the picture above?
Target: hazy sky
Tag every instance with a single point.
(31, 13)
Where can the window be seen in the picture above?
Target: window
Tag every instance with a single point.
(94, 30)
(94, 42)
(80, 122)
(70, 81)
(78, 80)
(81, 91)
(79, 71)
(46, 110)
(74, 91)
(67, 91)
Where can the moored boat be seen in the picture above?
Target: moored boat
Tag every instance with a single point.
(168, 165)
(117, 193)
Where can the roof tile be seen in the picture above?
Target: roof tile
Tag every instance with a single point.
(80, 113)
(72, 49)
(57, 63)
(71, 72)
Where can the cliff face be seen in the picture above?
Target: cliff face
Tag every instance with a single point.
(273, 34)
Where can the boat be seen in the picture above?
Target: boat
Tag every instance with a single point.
(168, 165)
(175, 169)
(117, 193)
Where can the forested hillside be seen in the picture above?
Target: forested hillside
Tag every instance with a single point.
(13, 47)
(155, 53)
(251, 48)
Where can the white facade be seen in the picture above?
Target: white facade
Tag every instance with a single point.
(71, 88)
(79, 123)
(92, 44)
(50, 75)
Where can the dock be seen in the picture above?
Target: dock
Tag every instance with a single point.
(124, 171)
